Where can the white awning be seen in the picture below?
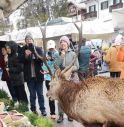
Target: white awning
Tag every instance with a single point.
(96, 29)
(90, 30)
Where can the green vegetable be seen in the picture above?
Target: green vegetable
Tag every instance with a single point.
(22, 107)
(31, 116)
(39, 121)
(4, 94)
(9, 104)
(43, 122)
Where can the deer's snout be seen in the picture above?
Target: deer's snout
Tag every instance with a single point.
(49, 96)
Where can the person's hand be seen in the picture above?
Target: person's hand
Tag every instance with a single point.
(28, 52)
(7, 69)
(46, 72)
(49, 57)
(62, 52)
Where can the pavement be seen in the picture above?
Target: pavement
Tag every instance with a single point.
(65, 123)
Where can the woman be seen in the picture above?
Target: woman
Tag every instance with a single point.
(113, 64)
(66, 56)
(5, 74)
(92, 65)
(15, 71)
(51, 54)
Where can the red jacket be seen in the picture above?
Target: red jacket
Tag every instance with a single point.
(5, 76)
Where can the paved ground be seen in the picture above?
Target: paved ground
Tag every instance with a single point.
(66, 123)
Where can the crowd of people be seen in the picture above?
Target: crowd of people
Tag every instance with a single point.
(21, 64)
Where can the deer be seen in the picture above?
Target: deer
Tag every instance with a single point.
(95, 101)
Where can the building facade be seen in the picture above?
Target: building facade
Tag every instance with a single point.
(105, 10)
(101, 9)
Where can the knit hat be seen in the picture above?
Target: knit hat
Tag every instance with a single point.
(29, 35)
(119, 39)
(66, 39)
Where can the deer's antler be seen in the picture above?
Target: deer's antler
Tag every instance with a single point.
(80, 36)
(68, 67)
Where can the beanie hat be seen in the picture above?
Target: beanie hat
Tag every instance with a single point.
(29, 35)
(66, 39)
(51, 44)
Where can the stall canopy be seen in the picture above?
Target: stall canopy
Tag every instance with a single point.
(96, 29)
(8, 6)
(90, 30)
(52, 31)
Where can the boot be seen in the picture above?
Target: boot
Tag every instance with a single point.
(60, 119)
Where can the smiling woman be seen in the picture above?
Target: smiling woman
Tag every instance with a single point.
(8, 6)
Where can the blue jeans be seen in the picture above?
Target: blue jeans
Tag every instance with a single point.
(36, 87)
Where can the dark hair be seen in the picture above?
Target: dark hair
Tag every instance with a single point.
(83, 40)
(50, 54)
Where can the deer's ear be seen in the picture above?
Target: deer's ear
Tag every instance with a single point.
(68, 73)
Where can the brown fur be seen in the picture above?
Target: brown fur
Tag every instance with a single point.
(95, 100)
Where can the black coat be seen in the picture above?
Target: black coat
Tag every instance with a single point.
(27, 64)
(15, 66)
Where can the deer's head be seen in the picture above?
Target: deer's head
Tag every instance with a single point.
(56, 82)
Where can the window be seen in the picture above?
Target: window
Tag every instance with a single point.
(104, 5)
(92, 8)
(117, 1)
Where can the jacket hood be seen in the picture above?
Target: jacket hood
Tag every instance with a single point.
(13, 46)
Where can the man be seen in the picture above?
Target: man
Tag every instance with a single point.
(84, 60)
(33, 74)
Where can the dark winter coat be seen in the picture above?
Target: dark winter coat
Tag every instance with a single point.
(84, 58)
(27, 63)
(15, 66)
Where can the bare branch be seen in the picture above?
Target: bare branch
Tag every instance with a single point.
(43, 30)
(80, 36)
